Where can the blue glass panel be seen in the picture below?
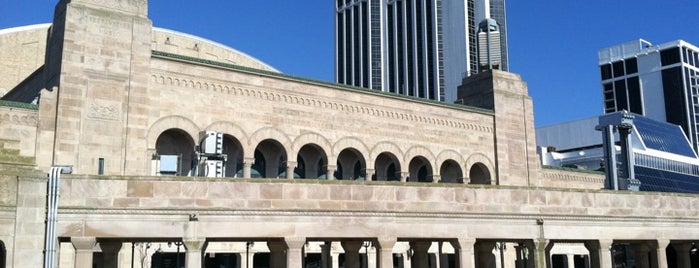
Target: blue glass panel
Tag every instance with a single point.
(655, 180)
(663, 136)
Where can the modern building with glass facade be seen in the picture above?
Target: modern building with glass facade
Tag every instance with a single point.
(413, 48)
(657, 81)
(663, 158)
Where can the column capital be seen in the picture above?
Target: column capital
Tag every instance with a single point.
(387, 242)
(248, 161)
(83, 243)
(466, 243)
(295, 242)
(436, 178)
(404, 176)
(194, 244)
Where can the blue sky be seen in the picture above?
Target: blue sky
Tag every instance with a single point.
(552, 44)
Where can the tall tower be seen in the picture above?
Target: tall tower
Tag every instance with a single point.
(497, 13)
(419, 48)
(489, 55)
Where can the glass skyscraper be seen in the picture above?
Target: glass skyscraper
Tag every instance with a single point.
(657, 81)
(419, 48)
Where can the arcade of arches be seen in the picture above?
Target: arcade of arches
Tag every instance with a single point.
(271, 159)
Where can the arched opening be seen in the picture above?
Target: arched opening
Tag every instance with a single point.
(479, 174)
(311, 162)
(350, 165)
(234, 151)
(451, 172)
(3, 255)
(420, 170)
(270, 159)
(175, 150)
(387, 167)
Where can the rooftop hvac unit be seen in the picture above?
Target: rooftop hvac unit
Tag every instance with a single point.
(169, 164)
(212, 169)
(211, 142)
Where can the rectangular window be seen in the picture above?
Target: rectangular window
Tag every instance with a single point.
(621, 96)
(634, 89)
(631, 66)
(606, 71)
(618, 68)
(669, 56)
(674, 97)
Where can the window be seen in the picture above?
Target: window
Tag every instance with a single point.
(606, 71)
(669, 56)
(634, 89)
(631, 66)
(618, 68)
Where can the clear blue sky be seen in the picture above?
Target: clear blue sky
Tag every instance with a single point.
(552, 44)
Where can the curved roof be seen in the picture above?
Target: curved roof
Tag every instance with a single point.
(163, 40)
(189, 45)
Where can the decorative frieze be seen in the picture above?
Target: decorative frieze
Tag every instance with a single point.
(310, 101)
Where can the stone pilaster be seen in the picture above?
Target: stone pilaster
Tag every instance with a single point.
(467, 256)
(99, 64)
(84, 248)
(195, 253)
(600, 253)
(294, 252)
(506, 94)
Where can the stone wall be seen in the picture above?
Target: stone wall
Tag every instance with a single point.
(561, 178)
(18, 122)
(263, 208)
(23, 51)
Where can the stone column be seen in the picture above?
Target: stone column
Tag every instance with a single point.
(290, 166)
(351, 249)
(247, 167)
(641, 251)
(277, 254)
(600, 253)
(371, 258)
(83, 250)
(404, 176)
(467, 258)
(194, 253)
(683, 257)
(110, 254)
(570, 260)
(660, 256)
(331, 172)
(294, 251)
(484, 254)
(386, 250)
(336, 260)
(325, 257)
(369, 173)
(436, 178)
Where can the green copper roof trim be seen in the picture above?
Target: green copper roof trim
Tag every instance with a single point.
(20, 105)
(162, 54)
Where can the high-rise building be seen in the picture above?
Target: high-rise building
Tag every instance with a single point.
(489, 56)
(657, 81)
(415, 48)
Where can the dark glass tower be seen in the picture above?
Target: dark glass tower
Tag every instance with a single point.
(419, 48)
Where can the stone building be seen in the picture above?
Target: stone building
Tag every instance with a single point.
(315, 173)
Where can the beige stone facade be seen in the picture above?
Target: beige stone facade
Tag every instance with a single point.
(312, 168)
